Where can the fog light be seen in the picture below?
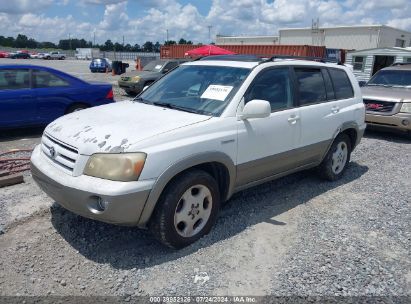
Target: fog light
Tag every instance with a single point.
(405, 122)
(102, 204)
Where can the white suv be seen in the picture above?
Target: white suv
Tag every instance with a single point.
(168, 159)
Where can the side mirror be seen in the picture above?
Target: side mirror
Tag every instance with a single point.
(362, 83)
(165, 70)
(256, 108)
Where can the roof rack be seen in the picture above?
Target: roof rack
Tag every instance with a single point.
(309, 58)
(400, 63)
(264, 58)
(247, 58)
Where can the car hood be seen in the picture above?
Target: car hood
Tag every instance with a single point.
(117, 127)
(386, 94)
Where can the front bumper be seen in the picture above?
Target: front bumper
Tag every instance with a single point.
(81, 194)
(135, 87)
(399, 121)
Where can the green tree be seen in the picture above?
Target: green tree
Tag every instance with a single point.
(157, 47)
(21, 41)
(148, 46)
(108, 45)
(6, 41)
(136, 48)
(169, 42)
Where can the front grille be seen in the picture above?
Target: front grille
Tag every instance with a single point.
(378, 106)
(61, 154)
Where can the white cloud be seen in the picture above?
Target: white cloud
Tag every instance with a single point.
(23, 6)
(115, 17)
(241, 17)
(104, 2)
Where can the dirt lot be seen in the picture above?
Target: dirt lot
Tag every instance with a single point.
(298, 235)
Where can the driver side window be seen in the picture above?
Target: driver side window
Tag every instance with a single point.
(273, 85)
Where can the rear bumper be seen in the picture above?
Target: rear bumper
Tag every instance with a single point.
(81, 194)
(99, 69)
(399, 121)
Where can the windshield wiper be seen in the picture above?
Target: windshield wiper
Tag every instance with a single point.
(174, 107)
(140, 99)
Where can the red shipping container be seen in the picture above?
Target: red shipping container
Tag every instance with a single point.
(178, 51)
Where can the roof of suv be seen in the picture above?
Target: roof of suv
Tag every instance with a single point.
(404, 67)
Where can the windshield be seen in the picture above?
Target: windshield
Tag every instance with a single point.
(154, 66)
(194, 88)
(391, 78)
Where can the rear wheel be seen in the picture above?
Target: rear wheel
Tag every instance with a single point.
(186, 210)
(335, 162)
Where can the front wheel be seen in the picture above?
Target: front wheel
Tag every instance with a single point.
(335, 162)
(187, 209)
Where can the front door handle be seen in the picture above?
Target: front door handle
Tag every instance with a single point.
(293, 119)
(335, 110)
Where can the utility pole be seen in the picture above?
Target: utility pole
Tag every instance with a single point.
(209, 32)
(70, 40)
(94, 38)
(167, 34)
(123, 40)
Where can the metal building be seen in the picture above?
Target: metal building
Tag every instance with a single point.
(356, 37)
(367, 62)
(246, 40)
(347, 37)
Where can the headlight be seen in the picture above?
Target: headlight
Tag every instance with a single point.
(136, 78)
(406, 107)
(123, 167)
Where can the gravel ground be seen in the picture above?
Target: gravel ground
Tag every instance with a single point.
(298, 235)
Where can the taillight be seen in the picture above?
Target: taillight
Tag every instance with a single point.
(110, 94)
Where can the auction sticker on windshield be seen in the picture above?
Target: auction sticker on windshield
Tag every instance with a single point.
(217, 92)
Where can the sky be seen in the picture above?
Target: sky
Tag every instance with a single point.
(148, 20)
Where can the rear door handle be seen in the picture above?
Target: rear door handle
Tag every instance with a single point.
(293, 119)
(335, 110)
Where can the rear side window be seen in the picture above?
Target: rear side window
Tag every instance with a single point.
(342, 84)
(44, 79)
(14, 79)
(310, 85)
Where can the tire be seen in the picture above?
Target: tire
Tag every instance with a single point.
(62, 58)
(75, 108)
(178, 210)
(335, 162)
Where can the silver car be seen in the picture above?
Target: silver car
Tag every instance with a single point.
(387, 98)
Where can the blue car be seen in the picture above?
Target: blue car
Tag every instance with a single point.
(100, 65)
(36, 95)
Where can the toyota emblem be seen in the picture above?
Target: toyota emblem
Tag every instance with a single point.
(52, 152)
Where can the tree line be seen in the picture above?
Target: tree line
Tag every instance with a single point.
(22, 41)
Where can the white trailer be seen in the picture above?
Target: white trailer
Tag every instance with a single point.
(87, 53)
